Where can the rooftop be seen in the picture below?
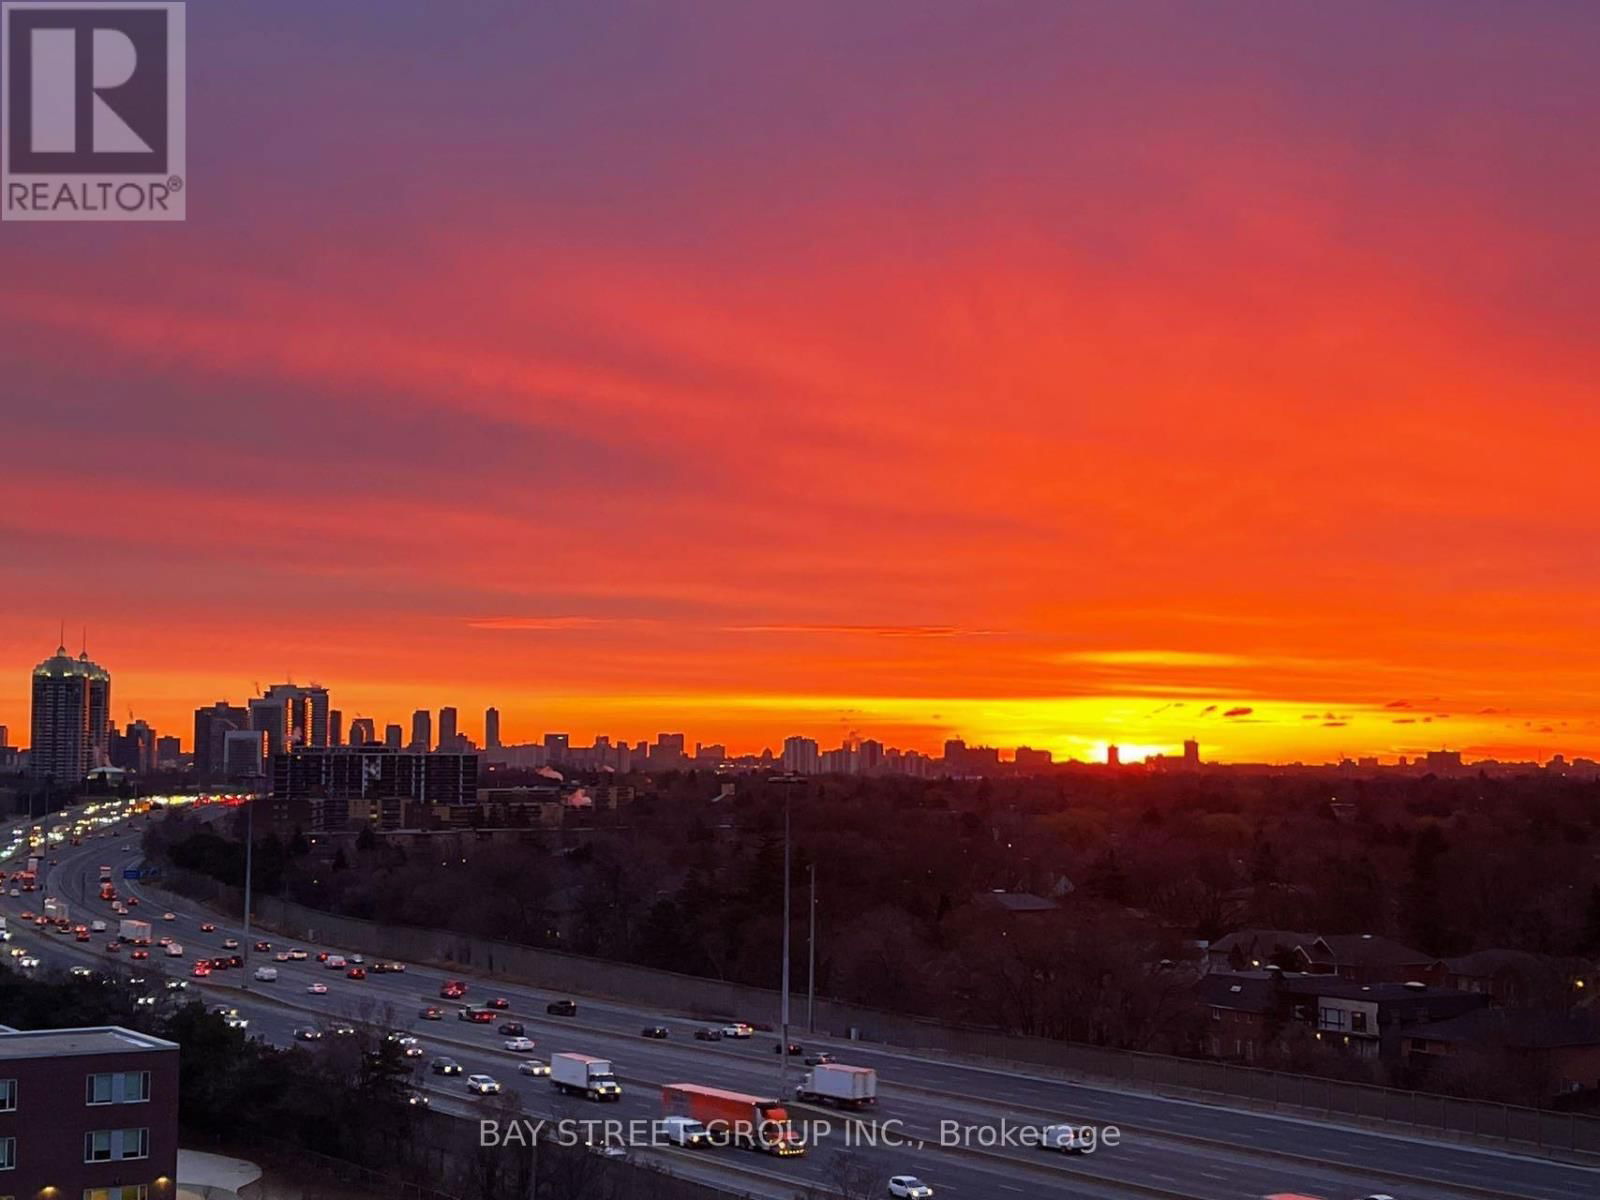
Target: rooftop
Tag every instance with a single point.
(69, 1043)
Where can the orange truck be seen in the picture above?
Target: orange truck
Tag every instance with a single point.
(748, 1121)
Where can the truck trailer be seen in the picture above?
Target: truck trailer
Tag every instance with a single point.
(734, 1118)
(137, 932)
(584, 1075)
(839, 1085)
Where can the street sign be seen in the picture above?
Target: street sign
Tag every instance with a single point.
(130, 872)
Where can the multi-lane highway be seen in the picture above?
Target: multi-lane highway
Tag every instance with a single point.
(941, 1116)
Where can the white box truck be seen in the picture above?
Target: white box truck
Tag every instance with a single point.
(839, 1085)
(584, 1075)
(133, 931)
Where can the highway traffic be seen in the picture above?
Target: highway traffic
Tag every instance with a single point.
(955, 1126)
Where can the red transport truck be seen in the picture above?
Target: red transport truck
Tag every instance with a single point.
(734, 1117)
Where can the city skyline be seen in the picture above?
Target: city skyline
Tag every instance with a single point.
(1237, 360)
(284, 715)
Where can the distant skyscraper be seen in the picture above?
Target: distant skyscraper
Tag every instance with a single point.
(800, 756)
(335, 727)
(1113, 756)
(5, 736)
(244, 753)
(392, 735)
(291, 715)
(491, 729)
(447, 728)
(211, 726)
(135, 748)
(1191, 753)
(556, 748)
(363, 732)
(421, 730)
(71, 717)
(168, 751)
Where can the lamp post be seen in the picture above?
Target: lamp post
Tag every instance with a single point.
(783, 1045)
(249, 856)
(811, 951)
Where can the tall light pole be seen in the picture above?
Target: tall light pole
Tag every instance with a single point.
(783, 1046)
(811, 948)
(249, 855)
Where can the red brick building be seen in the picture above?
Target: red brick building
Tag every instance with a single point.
(88, 1114)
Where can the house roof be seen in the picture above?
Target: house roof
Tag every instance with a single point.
(1017, 902)
(1363, 950)
(1491, 962)
(1241, 991)
(1263, 941)
(1519, 1028)
(71, 1043)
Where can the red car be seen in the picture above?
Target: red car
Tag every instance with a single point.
(499, 1002)
(113, 947)
(322, 956)
(140, 954)
(356, 973)
(453, 989)
(200, 970)
(208, 927)
(81, 935)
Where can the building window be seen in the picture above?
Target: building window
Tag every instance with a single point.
(8, 1096)
(1332, 1018)
(115, 1145)
(1358, 1022)
(8, 1154)
(120, 1087)
(133, 1191)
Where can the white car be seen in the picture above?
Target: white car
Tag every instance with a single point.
(76, 972)
(177, 985)
(519, 1043)
(909, 1185)
(230, 943)
(414, 1051)
(169, 916)
(737, 1030)
(483, 1085)
(534, 1067)
(317, 989)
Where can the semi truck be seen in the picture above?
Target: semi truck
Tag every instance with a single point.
(582, 1074)
(137, 932)
(839, 1085)
(735, 1118)
(54, 909)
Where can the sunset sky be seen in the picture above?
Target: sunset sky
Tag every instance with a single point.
(1050, 373)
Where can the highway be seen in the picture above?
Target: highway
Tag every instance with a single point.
(1168, 1149)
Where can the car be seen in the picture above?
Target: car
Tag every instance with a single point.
(207, 927)
(534, 1066)
(177, 985)
(431, 1013)
(144, 1001)
(482, 1085)
(519, 1043)
(281, 956)
(27, 962)
(396, 968)
(444, 1066)
(418, 1100)
(512, 1028)
(400, 1038)
(316, 989)
(341, 1028)
(80, 972)
(708, 1035)
(306, 1033)
(133, 902)
(818, 1060)
(481, 1016)
(356, 973)
(794, 1049)
(235, 960)
(562, 1008)
(264, 947)
(169, 916)
(323, 955)
(297, 955)
(497, 1002)
(413, 1051)
(654, 1031)
(80, 935)
(164, 940)
(357, 959)
(1064, 1138)
(452, 989)
(737, 1030)
(909, 1185)
(140, 954)
(230, 943)
(113, 947)
(200, 970)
